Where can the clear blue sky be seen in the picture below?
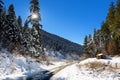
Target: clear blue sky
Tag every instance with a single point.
(70, 19)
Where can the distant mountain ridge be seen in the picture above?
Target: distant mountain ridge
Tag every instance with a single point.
(57, 43)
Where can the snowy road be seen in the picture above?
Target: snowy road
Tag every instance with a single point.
(46, 75)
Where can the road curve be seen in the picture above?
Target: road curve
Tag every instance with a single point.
(46, 75)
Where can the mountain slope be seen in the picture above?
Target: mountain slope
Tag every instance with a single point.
(56, 43)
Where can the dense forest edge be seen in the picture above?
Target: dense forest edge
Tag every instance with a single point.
(107, 39)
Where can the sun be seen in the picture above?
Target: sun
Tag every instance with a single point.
(34, 16)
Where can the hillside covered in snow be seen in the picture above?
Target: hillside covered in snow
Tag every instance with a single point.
(18, 67)
(91, 69)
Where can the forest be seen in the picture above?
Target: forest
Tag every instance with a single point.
(107, 39)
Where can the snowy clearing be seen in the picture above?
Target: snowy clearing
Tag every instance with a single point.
(15, 66)
(88, 70)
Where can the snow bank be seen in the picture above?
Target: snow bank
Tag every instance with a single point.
(17, 67)
(13, 66)
(79, 72)
(113, 62)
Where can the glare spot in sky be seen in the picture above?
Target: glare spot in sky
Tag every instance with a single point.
(34, 16)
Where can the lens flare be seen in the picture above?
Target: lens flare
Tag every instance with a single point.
(34, 16)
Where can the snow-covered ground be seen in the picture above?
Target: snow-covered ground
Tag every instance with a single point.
(91, 69)
(15, 66)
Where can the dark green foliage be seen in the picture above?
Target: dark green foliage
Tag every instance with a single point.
(117, 13)
(34, 6)
(107, 39)
(56, 43)
(111, 15)
(9, 32)
(12, 31)
(88, 45)
(2, 24)
(11, 13)
(19, 24)
(34, 9)
(36, 39)
(19, 21)
(36, 28)
(116, 29)
(1, 6)
(26, 38)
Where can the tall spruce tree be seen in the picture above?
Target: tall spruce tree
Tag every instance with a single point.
(19, 25)
(111, 15)
(105, 32)
(36, 28)
(110, 20)
(86, 44)
(2, 19)
(1, 6)
(11, 13)
(19, 21)
(34, 11)
(26, 38)
(116, 29)
(97, 41)
(11, 31)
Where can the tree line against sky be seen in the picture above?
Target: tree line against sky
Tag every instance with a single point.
(107, 39)
(15, 36)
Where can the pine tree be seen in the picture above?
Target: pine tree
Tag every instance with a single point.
(97, 41)
(34, 10)
(111, 15)
(111, 30)
(105, 32)
(25, 28)
(36, 28)
(11, 13)
(19, 21)
(107, 28)
(19, 25)
(1, 6)
(88, 45)
(117, 13)
(11, 18)
(26, 38)
(117, 20)
(116, 29)
(11, 31)
(110, 20)
(2, 19)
